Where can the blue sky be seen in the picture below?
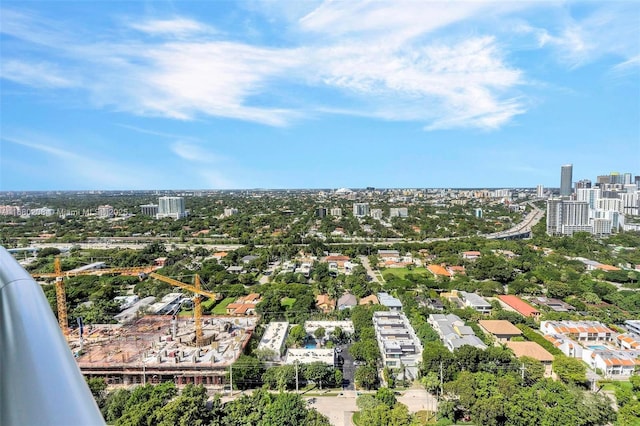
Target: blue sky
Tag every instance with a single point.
(312, 94)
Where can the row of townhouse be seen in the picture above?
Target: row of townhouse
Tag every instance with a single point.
(595, 344)
(399, 346)
(453, 332)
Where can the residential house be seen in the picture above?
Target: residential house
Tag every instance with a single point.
(612, 362)
(245, 305)
(535, 351)
(325, 303)
(476, 302)
(515, 304)
(372, 299)
(553, 304)
(471, 255)
(438, 271)
(390, 302)
(453, 333)
(501, 330)
(346, 301)
(581, 331)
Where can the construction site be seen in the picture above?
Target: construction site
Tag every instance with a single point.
(160, 348)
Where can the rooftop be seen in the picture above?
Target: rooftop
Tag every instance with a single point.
(500, 327)
(519, 305)
(530, 349)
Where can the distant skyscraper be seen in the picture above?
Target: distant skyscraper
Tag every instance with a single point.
(171, 207)
(149, 209)
(583, 183)
(566, 176)
(554, 216)
(321, 212)
(478, 213)
(336, 211)
(627, 179)
(540, 191)
(361, 209)
(398, 212)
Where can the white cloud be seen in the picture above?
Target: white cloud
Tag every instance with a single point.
(179, 27)
(411, 61)
(192, 152)
(35, 74)
(86, 170)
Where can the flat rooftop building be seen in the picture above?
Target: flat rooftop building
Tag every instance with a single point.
(157, 349)
(389, 301)
(329, 326)
(274, 337)
(398, 343)
(310, 355)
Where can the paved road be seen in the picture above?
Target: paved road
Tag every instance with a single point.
(367, 266)
(348, 369)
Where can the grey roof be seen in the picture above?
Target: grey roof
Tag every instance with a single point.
(467, 340)
(475, 300)
(389, 301)
(347, 300)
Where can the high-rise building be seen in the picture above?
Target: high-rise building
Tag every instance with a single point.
(554, 216)
(336, 211)
(321, 212)
(229, 211)
(603, 180)
(398, 212)
(540, 191)
(590, 195)
(566, 176)
(626, 179)
(149, 210)
(361, 209)
(583, 183)
(478, 213)
(105, 211)
(376, 214)
(171, 207)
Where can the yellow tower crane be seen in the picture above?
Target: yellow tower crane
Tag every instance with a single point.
(197, 290)
(61, 298)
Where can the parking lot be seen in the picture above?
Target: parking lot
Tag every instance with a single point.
(339, 409)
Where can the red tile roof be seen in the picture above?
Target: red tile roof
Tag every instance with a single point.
(438, 270)
(519, 305)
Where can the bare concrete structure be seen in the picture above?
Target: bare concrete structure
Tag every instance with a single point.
(158, 348)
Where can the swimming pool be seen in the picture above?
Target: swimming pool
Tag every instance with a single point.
(597, 347)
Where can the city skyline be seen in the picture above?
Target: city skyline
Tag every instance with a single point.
(316, 95)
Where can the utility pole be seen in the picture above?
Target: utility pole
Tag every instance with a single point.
(441, 380)
(522, 369)
(231, 380)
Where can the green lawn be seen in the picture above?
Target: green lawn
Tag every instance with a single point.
(402, 272)
(287, 302)
(611, 386)
(221, 308)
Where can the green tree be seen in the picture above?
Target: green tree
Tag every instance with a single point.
(386, 396)
(319, 333)
(317, 372)
(366, 377)
(98, 387)
(190, 408)
(570, 370)
(247, 372)
(297, 336)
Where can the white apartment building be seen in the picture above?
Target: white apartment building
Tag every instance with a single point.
(361, 209)
(171, 207)
(398, 212)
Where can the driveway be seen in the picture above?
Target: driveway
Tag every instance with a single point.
(348, 369)
(418, 400)
(338, 409)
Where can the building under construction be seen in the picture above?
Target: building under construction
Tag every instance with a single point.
(159, 348)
